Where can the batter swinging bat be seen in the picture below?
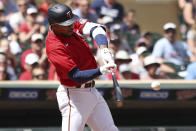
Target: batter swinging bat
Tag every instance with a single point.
(118, 92)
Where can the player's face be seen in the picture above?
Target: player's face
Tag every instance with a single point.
(63, 30)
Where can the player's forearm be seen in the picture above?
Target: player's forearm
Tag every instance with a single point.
(83, 76)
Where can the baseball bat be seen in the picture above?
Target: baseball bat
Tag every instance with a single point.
(118, 92)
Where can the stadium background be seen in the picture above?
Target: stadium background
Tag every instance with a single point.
(171, 114)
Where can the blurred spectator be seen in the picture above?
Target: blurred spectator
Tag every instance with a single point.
(6, 71)
(37, 47)
(84, 11)
(121, 57)
(9, 7)
(74, 4)
(30, 27)
(148, 40)
(114, 44)
(182, 24)
(38, 73)
(129, 25)
(31, 3)
(5, 28)
(167, 49)
(137, 62)
(31, 61)
(153, 68)
(189, 12)
(14, 45)
(19, 17)
(126, 73)
(181, 4)
(5, 47)
(108, 10)
(140, 43)
(191, 72)
(191, 39)
(115, 33)
(45, 5)
(3, 74)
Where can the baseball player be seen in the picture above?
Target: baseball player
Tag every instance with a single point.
(79, 102)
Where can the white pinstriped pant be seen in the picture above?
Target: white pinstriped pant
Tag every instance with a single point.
(80, 106)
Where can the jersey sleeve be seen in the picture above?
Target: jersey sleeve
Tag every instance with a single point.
(78, 25)
(62, 61)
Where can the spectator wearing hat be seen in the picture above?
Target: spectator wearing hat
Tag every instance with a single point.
(121, 57)
(108, 10)
(31, 61)
(167, 49)
(31, 26)
(37, 47)
(129, 25)
(126, 73)
(18, 18)
(84, 11)
(137, 61)
(152, 65)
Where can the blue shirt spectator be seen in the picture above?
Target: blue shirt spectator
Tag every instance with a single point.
(177, 52)
(191, 72)
(129, 25)
(9, 6)
(170, 50)
(84, 11)
(108, 8)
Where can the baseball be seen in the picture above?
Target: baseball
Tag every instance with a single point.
(156, 85)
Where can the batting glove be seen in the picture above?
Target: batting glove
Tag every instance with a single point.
(107, 56)
(108, 68)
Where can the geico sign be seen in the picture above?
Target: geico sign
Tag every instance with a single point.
(154, 95)
(23, 94)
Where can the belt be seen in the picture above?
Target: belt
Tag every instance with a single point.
(87, 85)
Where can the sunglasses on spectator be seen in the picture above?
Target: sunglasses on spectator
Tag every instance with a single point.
(39, 76)
(170, 31)
(38, 41)
(33, 14)
(25, 4)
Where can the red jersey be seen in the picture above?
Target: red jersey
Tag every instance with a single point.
(66, 53)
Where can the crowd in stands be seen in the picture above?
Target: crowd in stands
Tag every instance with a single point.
(138, 55)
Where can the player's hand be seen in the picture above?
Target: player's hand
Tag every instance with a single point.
(107, 56)
(108, 68)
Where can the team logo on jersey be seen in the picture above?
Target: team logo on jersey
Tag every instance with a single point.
(66, 44)
(82, 21)
(69, 15)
